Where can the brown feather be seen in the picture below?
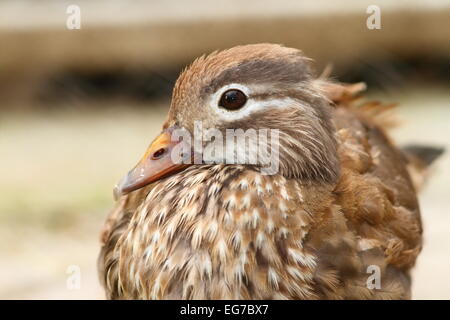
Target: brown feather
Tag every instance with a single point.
(228, 232)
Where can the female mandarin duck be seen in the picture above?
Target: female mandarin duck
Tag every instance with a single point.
(340, 208)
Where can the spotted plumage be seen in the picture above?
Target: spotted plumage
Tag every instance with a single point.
(342, 200)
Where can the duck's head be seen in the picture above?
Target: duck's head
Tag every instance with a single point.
(268, 95)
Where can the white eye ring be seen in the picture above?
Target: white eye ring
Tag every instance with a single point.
(221, 91)
(231, 114)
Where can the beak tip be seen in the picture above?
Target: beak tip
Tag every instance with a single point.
(151, 168)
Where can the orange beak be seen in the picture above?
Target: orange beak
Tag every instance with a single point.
(156, 164)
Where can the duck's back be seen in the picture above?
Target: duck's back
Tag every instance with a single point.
(381, 234)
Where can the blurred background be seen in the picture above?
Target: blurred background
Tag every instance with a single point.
(78, 107)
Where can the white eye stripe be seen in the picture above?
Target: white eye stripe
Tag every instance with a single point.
(250, 106)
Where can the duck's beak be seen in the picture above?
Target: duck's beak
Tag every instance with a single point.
(158, 162)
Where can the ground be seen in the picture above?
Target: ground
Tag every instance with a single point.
(59, 167)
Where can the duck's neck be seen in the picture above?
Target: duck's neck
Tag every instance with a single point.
(230, 229)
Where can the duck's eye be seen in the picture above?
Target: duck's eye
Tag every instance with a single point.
(232, 99)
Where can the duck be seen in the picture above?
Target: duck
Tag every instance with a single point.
(334, 216)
